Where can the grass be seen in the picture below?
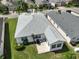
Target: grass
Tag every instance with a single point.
(30, 51)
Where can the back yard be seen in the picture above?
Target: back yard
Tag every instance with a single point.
(30, 51)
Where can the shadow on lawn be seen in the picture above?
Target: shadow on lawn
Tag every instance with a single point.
(7, 46)
(64, 49)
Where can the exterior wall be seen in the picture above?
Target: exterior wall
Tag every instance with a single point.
(59, 30)
(19, 41)
(52, 4)
(30, 39)
(67, 38)
(56, 48)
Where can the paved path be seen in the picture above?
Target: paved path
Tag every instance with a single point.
(10, 15)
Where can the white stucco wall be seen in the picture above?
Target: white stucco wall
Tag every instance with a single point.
(52, 4)
(30, 38)
(57, 48)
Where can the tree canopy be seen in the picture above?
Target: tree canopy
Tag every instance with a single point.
(21, 6)
(4, 9)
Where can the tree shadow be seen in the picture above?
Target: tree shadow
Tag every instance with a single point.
(64, 49)
(7, 46)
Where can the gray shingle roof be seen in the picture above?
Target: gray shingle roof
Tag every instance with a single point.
(55, 1)
(52, 35)
(68, 23)
(31, 24)
(49, 1)
(41, 2)
(36, 24)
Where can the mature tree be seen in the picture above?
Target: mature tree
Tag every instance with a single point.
(33, 1)
(4, 9)
(21, 6)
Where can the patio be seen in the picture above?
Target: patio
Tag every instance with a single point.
(43, 47)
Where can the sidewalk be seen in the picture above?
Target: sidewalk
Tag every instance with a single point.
(13, 15)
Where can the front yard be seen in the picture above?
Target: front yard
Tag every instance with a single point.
(30, 51)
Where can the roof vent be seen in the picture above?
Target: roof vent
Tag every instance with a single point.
(59, 11)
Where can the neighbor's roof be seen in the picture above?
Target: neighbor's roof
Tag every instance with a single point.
(55, 1)
(50, 1)
(36, 24)
(41, 2)
(68, 23)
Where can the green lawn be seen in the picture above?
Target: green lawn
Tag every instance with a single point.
(30, 51)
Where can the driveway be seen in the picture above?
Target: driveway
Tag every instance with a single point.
(74, 9)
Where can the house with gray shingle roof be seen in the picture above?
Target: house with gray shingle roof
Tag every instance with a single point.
(52, 2)
(36, 28)
(66, 23)
(38, 2)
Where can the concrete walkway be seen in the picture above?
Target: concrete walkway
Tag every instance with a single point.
(43, 47)
(15, 15)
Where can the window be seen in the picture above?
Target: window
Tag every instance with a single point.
(36, 36)
(53, 46)
(25, 40)
(59, 45)
(77, 38)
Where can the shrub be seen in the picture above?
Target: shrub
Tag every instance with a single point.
(19, 48)
(4, 9)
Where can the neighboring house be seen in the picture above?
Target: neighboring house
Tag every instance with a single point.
(66, 23)
(52, 2)
(27, 1)
(39, 2)
(1, 36)
(36, 28)
(60, 2)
